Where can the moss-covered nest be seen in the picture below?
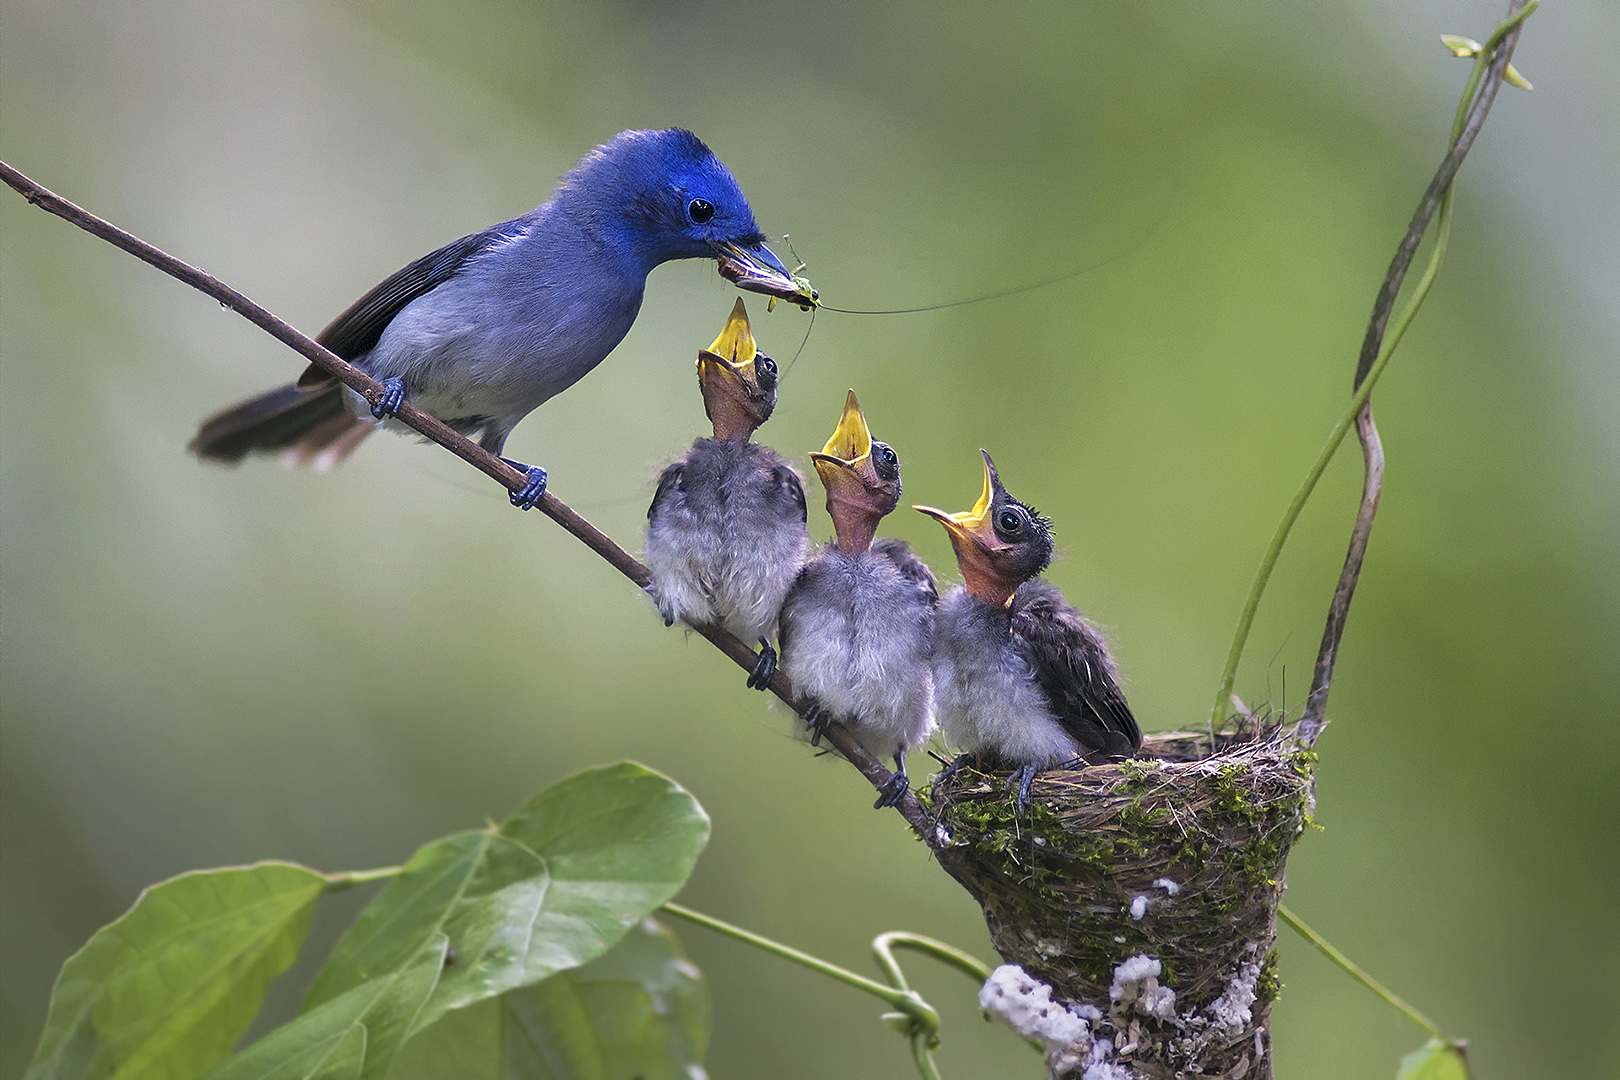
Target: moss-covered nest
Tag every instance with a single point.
(1176, 855)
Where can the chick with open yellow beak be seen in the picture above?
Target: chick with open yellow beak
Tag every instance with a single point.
(1021, 676)
(726, 530)
(737, 380)
(862, 478)
(857, 626)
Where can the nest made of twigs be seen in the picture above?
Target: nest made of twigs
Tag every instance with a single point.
(1176, 854)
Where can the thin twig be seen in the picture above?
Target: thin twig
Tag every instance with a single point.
(1478, 93)
(476, 456)
(1471, 114)
(1372, 452)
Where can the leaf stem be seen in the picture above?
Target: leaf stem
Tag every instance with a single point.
(1361, 976)
(883, 947)
(348, 879)
(902, 998)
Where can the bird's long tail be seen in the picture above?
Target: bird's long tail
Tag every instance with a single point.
(304, 426)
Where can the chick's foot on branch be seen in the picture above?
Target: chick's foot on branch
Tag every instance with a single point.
(764, 667)
(816, 720)
(393, 396)
(895, 789)
(528, 496)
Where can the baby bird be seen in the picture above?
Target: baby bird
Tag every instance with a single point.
(1020, 674)
(858, 622)
(726, 530)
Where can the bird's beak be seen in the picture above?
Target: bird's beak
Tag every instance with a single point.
(727, 378)
(756, 268)
(845, 464)
(974, 538)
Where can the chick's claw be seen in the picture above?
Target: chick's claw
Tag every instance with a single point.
(764, 668)
(892, 792)
(1020, 780)
(816, 721)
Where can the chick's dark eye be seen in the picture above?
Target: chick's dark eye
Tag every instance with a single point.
(1009, 520)
(700, 210)
(886, 456)
(767, 364)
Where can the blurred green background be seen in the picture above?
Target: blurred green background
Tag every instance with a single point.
(203, 666)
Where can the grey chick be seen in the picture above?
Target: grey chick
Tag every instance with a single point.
(858, 624)
(726, 529)
(1020, 673)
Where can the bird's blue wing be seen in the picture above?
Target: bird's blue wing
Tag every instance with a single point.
(357, 330)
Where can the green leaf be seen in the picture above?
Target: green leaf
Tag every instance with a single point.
(354, 1036)
(555, 886)
(1460, 46)
(1434, 1060)
(167, 990)
(640, 1011)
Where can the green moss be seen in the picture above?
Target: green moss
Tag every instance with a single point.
(1268, 987)
(1067, 870)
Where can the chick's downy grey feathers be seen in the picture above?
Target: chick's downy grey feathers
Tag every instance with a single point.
(1031, 682)
(857, 630)
(726, 537)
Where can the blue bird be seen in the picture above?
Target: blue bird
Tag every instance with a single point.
(483, 331)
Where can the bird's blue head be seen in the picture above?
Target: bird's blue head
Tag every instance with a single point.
(663, 195)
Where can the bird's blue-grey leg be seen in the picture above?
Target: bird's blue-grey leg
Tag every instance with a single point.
(1020, 779)
(816, 721)
(393, 396)
(527, 496)
(892, 792)
(958, 763)
(764, 667)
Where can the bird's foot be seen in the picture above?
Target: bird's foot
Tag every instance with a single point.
(816, 722)
(896, 787)
(393, 396)
(1020, 779)
(528, 496)
(961, 761)
(764, 667)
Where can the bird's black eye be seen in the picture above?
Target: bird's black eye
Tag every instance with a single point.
(765, 372)
(701, 211)
(765, 363)
(884, 459)
(1009, 521)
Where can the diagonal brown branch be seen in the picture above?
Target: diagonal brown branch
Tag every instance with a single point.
(560, 512)
(1314, 718)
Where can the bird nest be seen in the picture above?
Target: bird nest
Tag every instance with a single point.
(1174, 858)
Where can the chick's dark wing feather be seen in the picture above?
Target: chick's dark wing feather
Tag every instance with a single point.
(668, 481)
(358, 329)
(787, 481)
(1074, 669)
(910, 566)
